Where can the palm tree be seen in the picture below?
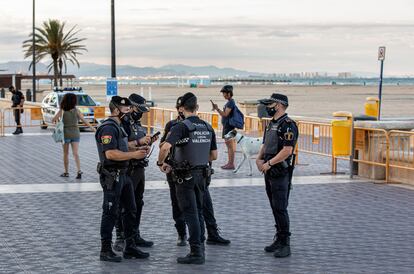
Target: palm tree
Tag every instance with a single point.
(52, 41)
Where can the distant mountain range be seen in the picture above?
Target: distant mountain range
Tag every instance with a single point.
(91, 69)
(98, 70)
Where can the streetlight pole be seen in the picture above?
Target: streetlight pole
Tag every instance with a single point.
(34, 54)
(113, 60)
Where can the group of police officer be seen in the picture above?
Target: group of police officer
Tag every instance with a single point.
(187, 150)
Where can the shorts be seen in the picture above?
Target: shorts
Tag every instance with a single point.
(71, 140)
(226, 129)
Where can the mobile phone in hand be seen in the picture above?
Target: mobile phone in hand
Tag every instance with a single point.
(154, 137)
(212, 104)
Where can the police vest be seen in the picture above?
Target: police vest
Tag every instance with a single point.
(196, 148)
(137, 131)
(271, 145)
(122, 140)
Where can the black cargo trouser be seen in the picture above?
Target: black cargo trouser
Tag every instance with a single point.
(277, 190)
(121, 196)
(177, 214)
(136, 176)
(17, 114)
(208, 210)
(190, 196)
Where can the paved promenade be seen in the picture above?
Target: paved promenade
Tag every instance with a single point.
(51, 225)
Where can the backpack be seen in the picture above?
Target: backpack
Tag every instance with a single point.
(237, 118)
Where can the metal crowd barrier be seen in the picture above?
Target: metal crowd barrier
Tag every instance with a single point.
(378, 154)
(29, 117)
(371, 153)
(401, 156)
(32, 117)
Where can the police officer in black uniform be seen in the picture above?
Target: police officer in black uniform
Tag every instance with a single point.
(112, 144)
(194, 146)
(177, 214)
(137, 137)
(276, 161)
(17, 101)
(214, 237)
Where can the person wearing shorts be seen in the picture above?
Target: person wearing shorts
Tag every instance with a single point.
(71, 116)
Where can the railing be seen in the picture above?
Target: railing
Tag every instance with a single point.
(29, 117)
(32, 116)
(378, 154)
(401, 156)
(371, 152)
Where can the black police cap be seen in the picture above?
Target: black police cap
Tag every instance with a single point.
(121, 101)
(276, 98)
(178, 103)
(139, 102)
(187, 98)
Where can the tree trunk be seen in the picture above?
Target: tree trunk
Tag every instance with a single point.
(60, 72)
(55, 72)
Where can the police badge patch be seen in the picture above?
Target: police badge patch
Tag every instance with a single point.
(106, 139)
(288, 136)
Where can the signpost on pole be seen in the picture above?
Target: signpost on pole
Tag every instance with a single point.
(111, 88)
(381, 57)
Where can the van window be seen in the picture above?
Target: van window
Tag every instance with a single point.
(53, 100)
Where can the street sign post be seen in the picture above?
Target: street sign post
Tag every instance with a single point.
(381, 57)
(111, 88)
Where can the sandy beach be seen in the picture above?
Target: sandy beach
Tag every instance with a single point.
(313, 101)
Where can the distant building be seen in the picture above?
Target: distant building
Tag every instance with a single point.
(344, 75)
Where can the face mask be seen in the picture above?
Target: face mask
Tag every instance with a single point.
(124, 116)
(136, 116)
(271, 111)
(181, 115)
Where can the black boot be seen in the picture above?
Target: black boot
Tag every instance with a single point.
(214, 237)
(182, 240)
(141, 242)
(17, 131)
(107, 254)
(119, 244)
(132, 251)
(283, 250)
(274, 245)
(195, 256)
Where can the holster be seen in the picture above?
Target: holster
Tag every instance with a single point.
(207, 172)
(138, 163)
(107, 178)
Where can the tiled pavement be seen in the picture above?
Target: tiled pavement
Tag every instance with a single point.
(342, 227)
(338, 226)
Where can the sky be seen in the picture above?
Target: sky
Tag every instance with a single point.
(271, 36)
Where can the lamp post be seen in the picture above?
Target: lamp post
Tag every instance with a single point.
(34, 54)
(113, 60)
